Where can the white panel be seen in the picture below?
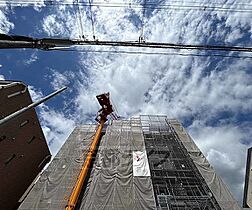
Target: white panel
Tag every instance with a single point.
(140, 164)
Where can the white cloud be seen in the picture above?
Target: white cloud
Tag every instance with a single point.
(37, 4)
(52, 27)
(62, 22)
(55, 125)
(2, 77)
(224, 148)
(59, 80)
(5, 24)
(35, 94)
(32, 59)
(234, 35)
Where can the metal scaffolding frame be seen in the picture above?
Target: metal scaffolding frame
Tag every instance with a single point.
(177, 183)
(146, 162)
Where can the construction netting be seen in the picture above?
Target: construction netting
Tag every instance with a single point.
(214, 182)
(53, 188)
(120, 178)
(142, 163)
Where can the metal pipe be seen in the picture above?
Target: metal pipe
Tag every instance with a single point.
(85, 168)
(30, 106)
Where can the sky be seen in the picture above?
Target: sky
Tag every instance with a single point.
(209, 94)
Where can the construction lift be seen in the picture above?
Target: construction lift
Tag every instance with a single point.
(101, 118)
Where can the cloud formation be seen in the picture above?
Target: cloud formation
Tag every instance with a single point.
(5, 24)
(197, 90)
(224, 148)
(208, 94)
(55, 125)
(32, 59)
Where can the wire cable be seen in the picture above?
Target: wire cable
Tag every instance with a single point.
(80, 19)
(158, 45)
(115, 109)
(50, 43)
(203, 7)
(78, 16)
(91, 17)
(117, 3)
(153, 53)
(141, 37)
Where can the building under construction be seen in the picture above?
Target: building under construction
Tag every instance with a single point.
(146, 162)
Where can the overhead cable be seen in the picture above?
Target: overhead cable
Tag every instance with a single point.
(8, 41)
(152, 53)
(160, 45)
(92, 19)
(220, 4)
(141, 37)
(79, 17)
(202, 7)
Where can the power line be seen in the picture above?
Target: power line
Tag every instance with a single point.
(141, 37)
(118, 3)
(151, 53)
(91, 17)
(7, 41)
(163, 45)
(136, 6)
(80, 19)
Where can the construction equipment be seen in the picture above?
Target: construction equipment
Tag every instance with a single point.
(101, 118)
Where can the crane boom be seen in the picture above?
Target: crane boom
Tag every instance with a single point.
(106, 110)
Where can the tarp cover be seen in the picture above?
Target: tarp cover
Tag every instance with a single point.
(215, 183)
(52, 190)
(112, 184)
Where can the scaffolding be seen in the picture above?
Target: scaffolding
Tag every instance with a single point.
(146, 162)
(177, 183)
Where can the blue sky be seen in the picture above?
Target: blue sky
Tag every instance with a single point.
(211, 96)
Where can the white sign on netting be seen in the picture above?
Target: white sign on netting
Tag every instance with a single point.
(140, 164)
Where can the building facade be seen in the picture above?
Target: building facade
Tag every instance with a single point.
(146, 162)
(23, 148)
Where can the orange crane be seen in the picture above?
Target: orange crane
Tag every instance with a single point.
(101, 118)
